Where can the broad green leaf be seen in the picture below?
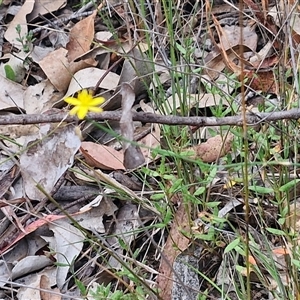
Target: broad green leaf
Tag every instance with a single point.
(260, 189)
(276, 231)
(232, 245)
(200, 190)
(296, 263)
(158, 196)
(9, 73)
(288, 186)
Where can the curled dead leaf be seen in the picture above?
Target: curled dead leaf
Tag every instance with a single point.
(133, 156)
(213, 148)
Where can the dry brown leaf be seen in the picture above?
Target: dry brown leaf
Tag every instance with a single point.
(151, 140)
(230, 48)
(127, 224)
(45, 287)
(231, 36)
(176, 243)
(11, 94)
(213, 148)
(89, 77)
(81, 37)
(11, 34)
(42, 7)
(293, 218)
(40, 97)
(101, 156)
(67, 242)
(58, 70)
(10, 214)
(133, 156)
(263, 81)
(31, 228)
(46, 157)
(215, 63)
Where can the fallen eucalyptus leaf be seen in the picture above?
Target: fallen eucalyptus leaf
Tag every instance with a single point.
(133, 156)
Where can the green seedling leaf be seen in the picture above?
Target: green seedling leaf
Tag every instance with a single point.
(212, 174)
(213, 204)
(296, 263)
(176, 185)
(288, 186)
(158, 196)
(200, 191)
(239, 250)
(181, 49)
(276, 231)
(205, 237)
(285, 211)
(18, 28)
(241, 269)
(232, 245)
(168, 177)
(9, 73)
(159, 225)
(261, 189)
(81, 287)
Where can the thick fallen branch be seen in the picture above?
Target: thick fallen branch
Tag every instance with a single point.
(251, 119)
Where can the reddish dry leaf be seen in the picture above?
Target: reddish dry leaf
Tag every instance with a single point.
(252, 260)
(37, 224)
(101, 156)
(176, 243)
(214, 148)
(263, 81)
(267, 20)
(266, 62)
(81, 37)
(31, 228)
(280, 251)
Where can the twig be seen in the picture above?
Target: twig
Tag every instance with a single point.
(251, 118)
(83, 12)
(59, 22)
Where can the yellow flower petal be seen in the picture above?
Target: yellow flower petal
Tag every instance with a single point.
(72, 101)
(95, 109)
(82, 112)
(84, 103)
(97, 101)
(84, 95)
(74, 110)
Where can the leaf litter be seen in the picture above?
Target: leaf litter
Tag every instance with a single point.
(55, 236)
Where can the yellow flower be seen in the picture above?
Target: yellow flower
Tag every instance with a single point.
(84, 103)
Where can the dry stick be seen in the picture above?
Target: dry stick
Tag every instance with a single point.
(251, 118)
